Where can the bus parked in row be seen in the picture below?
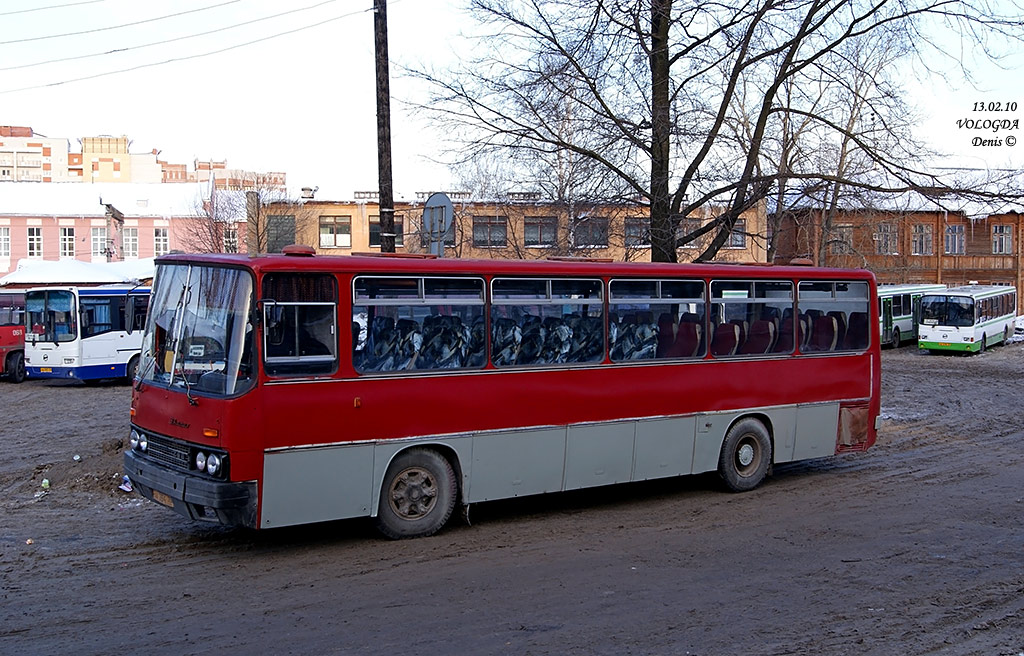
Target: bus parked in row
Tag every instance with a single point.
(286, 389)
(968, 319)
(84, 333)
(12, 336)
(899, 311)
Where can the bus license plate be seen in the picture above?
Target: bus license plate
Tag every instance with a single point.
(163, 499)
(46, 370)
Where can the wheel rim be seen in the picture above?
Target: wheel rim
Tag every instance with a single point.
(748, 453)
(413, 493)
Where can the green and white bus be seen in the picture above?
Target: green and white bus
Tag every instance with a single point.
(899, 311)
(969, 318)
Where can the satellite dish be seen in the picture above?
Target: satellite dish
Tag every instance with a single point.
(438, 213)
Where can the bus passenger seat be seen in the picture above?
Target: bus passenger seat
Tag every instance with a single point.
(687, 343)
(785, 340)
(726, 339)
(840, 318)
(507, 338)
(762, 335)
(825, 333)
(857, 332)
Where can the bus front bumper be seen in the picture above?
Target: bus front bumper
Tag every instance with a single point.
(950, 346)
(195, 497)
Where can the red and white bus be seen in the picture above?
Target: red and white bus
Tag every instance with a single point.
(12, 336)
(293, 388)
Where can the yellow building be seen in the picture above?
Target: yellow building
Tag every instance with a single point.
(522, 227)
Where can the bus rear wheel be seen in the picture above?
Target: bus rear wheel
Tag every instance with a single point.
(895, 337)
(15, 367)
(418, 495)
(746, 455)
(981, 349)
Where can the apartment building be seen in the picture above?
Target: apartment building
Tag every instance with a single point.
(101, 222)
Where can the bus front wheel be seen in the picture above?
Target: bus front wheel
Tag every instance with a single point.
(418, 495)
(746, 455)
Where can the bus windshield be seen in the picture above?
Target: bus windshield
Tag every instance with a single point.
(953, 311)
(51, 316)
(199, 334)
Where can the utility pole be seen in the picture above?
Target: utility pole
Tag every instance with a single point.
(386, 200)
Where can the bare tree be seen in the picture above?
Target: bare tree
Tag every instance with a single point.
(654, 87)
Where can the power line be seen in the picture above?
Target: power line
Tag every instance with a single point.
(117, 27)
(165, 41)
(186, 58)
(70, 4)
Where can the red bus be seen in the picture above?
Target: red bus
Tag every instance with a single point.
(12, 336)
(293, 388)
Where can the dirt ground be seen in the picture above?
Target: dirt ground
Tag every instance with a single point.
(916, 547)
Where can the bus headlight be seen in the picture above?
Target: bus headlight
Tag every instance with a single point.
(133, 439)
(200, 461)
(143, 442)
(212, 464)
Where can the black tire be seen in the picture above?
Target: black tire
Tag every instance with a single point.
(1006, 335)
(132, 369)
(15, 367)
(417, 495)
(895, 337)
(746, 455)
(981, 349)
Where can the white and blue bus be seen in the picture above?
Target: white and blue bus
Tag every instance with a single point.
(84, 333)
(969, 318)
(899, 311)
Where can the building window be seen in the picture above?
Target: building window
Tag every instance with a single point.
(738, 236)
(540, 230)
(99, 242)
(922, 240)
(842, 239)
(375, 232)
(35, 242)
(1002, 240)
(67, 242)
(638, 233)
(490, 231)
(335, 232)
(161, 245)
(230, 238)
(955, 240)
(130, 242)
(887, 240)
(5, 242)
(686, 227)
(590, 232)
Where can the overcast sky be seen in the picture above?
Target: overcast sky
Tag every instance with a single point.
(295, 93)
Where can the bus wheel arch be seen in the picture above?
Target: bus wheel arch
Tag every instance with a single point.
(418, 494)
(747, 453)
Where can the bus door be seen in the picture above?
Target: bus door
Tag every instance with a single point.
(886, 313)
(916, 302)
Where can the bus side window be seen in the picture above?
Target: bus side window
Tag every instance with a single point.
(300, 324)
(837, 314)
